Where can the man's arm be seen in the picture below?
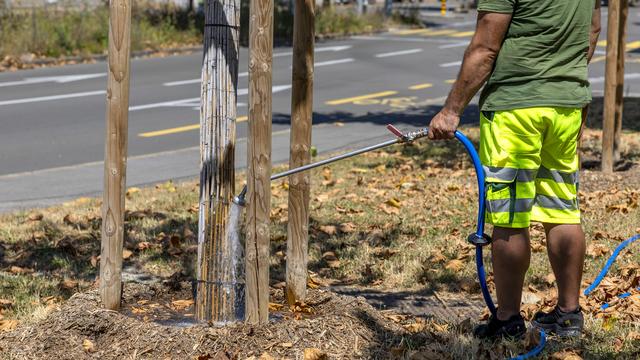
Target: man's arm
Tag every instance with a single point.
(595, 31)
(477, 65)
(593, 41)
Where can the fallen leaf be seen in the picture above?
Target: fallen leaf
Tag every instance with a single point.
(5, 304)
(389, 210)
(35, 217)
(329, 229)
(126, 253)
(314, 354)
(454, 265)
(347, 227)
(266, 356)
(275, 306)
(8, 325)
(550, 279)
(566, 355)
(88, 345)
(70, 219)
(286, 345)
(182, 304)
(20, 270)
(131, 191)
(326, 174)
(415, 327)
(597, 250)
(394, 202)
(69, 284)
(144, 245)
(94, 260)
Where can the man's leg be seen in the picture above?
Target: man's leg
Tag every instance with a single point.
(510, 255)
(566, 248)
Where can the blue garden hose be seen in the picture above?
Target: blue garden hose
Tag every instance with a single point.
(480, 239)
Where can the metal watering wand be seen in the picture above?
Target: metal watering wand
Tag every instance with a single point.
(401, 138)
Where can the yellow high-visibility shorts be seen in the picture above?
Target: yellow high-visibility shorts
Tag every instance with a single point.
(531, 165)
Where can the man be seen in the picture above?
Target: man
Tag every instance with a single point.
(533, 56)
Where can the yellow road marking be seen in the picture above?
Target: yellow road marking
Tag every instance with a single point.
(602, 43)
(362, 97)
(411, 31)
(440, 32)
(463, 34)
(450, 81)
(628, 47)
(179, 129)
(420, 86)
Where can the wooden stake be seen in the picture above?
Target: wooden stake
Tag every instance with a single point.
(115, 162)
(259, 160)
(301, 119)
(220, 291)
(611, 76)
(622, 40)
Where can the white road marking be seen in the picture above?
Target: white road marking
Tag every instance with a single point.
(456, 44)
(398, 53)
(451, 64)
(401, 38)
(600, 79)
(57, 79)
(195, 81)
(195, 102)
(599, 52)
(52, 97)
(333, 62)
(320, 49)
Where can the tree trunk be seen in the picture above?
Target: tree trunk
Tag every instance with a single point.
(259, 159)
(220, 291)
(301, 121)
(115, 162)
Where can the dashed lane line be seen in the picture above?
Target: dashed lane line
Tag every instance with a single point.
(361, 97)
(52, 97)
(398, 53)
(453, 45)
(420, 86)
(333, 62)
(451, 64)
(195, 81)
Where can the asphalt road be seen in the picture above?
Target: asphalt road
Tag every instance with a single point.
(52, 119)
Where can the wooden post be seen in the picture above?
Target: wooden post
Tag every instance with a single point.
(259, 160)
(220, 291)
(610, 84)
(301, 119)
(622, 40)
(115, 162)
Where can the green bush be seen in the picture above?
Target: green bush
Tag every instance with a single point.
(55, 33)
(82, 32)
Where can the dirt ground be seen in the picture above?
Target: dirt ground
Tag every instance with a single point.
(150, 327)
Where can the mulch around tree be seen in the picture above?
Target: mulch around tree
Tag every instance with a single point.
(149, 327)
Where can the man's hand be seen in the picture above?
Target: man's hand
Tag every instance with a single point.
(443, 125)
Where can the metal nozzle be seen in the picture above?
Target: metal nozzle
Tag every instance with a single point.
(240, 198)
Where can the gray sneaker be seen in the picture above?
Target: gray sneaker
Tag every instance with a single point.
(559, 322)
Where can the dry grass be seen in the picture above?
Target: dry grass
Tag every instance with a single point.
(393, 219)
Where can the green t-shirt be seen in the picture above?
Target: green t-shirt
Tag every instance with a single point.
(543, 60)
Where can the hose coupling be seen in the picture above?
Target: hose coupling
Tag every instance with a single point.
(479, 240)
